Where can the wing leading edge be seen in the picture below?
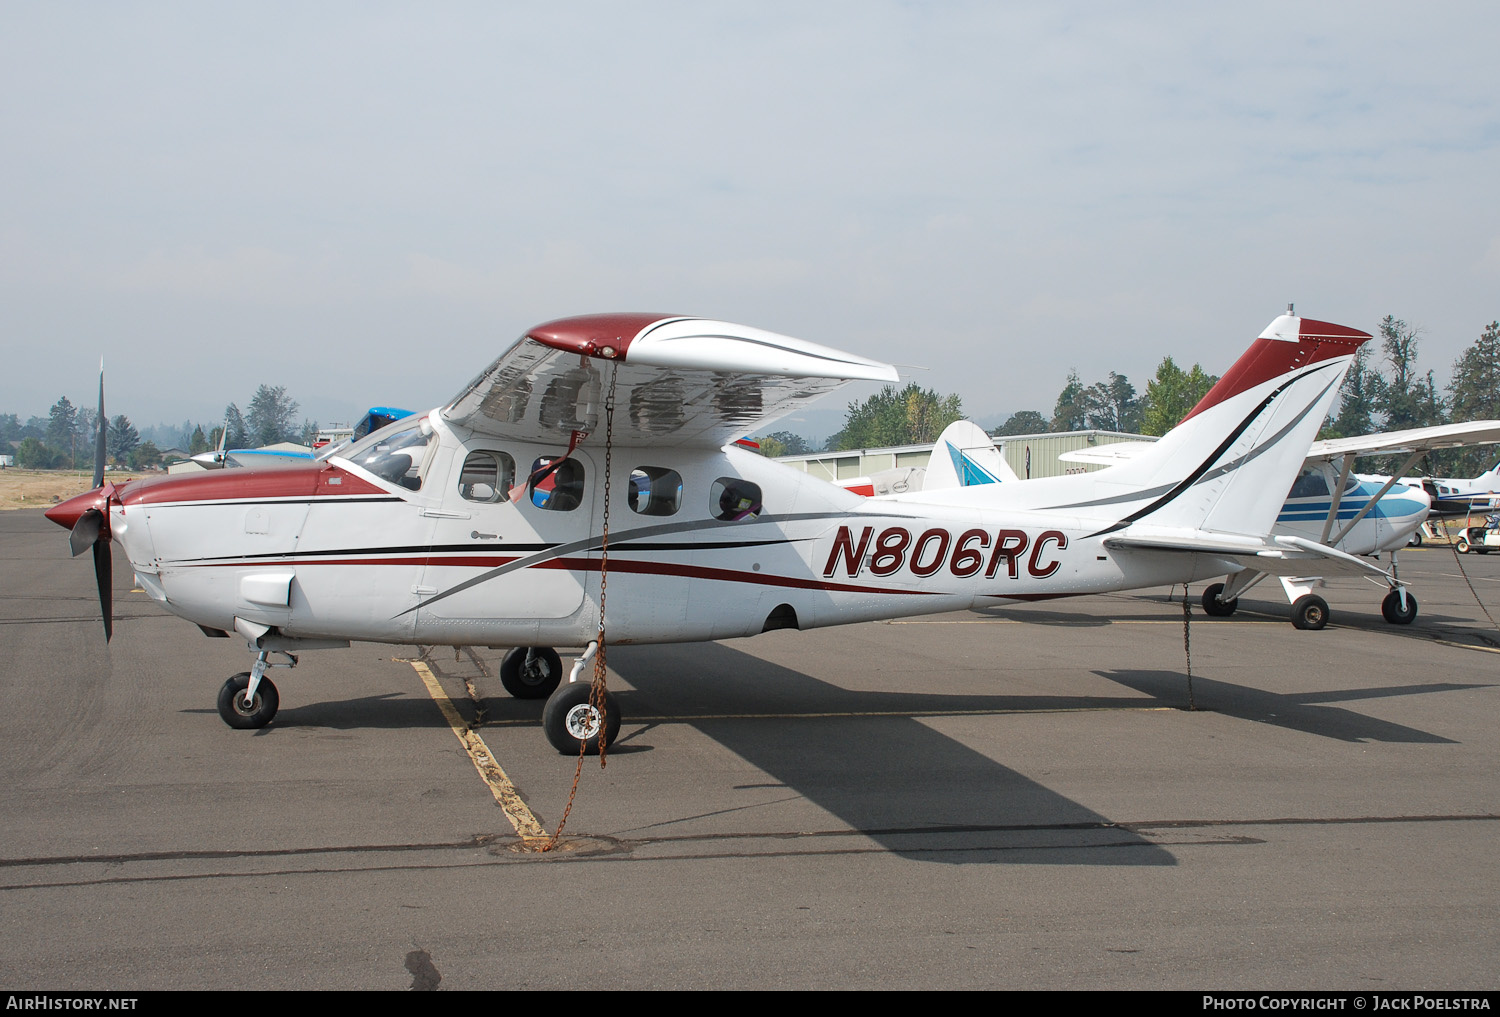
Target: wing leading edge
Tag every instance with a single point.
(679, 380)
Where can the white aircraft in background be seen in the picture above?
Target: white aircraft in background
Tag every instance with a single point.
(596, 447)
(1461, 496)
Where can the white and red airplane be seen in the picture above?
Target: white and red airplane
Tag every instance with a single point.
(585, 485)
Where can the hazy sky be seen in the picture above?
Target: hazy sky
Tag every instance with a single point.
(366, 202)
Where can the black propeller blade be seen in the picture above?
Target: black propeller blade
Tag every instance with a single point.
(87, 518)
(104, 574)
(99, 436)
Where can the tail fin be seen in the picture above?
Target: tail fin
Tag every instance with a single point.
(963, 457)
(1228, 466)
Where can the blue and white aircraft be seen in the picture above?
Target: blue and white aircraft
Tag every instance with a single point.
(274, 459)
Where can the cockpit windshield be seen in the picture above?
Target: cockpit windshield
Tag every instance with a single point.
(1312, 482)
(372, 421)
(397, 453)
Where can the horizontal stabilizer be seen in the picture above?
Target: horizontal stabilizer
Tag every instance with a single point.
(1277, 556)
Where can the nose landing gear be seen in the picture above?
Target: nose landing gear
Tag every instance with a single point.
(249, 699)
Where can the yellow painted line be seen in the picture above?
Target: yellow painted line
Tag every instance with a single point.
(490, 771)
(1465, 646)
(854, 715)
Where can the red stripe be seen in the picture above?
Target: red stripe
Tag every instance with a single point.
(588, 334)
(312, 481)
(1271, 358)
(592, 565)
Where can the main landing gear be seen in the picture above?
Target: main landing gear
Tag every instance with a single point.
(249, 699)
(1309, 611)
(573, 717)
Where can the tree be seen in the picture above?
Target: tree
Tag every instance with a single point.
(1171, 395)
(198, 442)
(908, 417)
(1103, 406)
(1111, 405)
(1475, 395)
(121, 438)
(1024, 422)
(271, 416)
(1358, 399)
(62, 427)
(144, 456)
(234, 426)
(31, 454)
(782, 443)
(1068, 414)
(87, 431)
(1407, 398)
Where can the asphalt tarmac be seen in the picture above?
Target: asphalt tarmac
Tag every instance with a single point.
(1012, 798)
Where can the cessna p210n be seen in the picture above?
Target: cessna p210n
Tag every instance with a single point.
(600, 447)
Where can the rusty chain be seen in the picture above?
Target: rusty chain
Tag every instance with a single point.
(598, 690)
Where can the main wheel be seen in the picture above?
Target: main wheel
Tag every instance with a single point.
(1310, 612)
(569, 719)
(1391, 608)
(536, 680)
(258, 713)
(1462, 546)
(1415, 540)
(1215, 607)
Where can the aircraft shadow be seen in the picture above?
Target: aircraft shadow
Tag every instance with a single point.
(1307, 712)
(914, 791)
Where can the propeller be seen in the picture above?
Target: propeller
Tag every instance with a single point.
(86, 517)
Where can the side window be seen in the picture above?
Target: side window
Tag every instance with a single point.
(556, 484)
(733, 498)
(487, 477)
(655, 491)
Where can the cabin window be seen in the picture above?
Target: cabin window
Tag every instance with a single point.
(487, 477)
(655, 491)
(731, 498)
(556, 484)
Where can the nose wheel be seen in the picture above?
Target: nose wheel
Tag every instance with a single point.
(1399, 607)
(249, 700)
(257, 711)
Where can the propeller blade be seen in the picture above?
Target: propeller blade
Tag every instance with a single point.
(104, 569)
(86, 531)
(99, 438)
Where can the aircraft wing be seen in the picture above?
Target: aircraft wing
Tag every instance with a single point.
(1417, 439)
(1111, 454)
(678, 380)
(1278, 555)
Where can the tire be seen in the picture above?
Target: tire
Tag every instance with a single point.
(232, 706)
(1310, 612)
(539, 680)
(1415, 540)
(1391, 608)
(1462, 547)
(1216, 608)
(568, 719)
